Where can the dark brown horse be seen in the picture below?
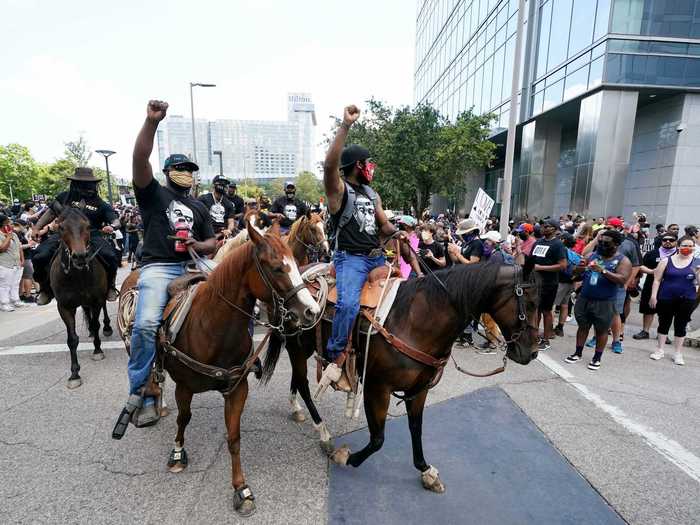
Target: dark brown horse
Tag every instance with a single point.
(216, 333)
(78, 279)
(428, 314)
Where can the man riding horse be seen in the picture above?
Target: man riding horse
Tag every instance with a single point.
(357, 220)
(168, 212)
(82, 195)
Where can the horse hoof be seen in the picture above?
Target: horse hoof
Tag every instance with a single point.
(431, 480)
(107, 331)
(164, 412)
(74, 383)
(327, 446)
(177, 468)
(246, 508)
(99, 356)
(177, 462)
(341, 455)
(298, 416)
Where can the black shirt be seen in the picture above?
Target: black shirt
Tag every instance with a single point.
(292, 209)
(438, 252)
(97, 211)
(473, 248)
(220, 212)
(238, 204)
(547, 253)
(361, 233)
(161, 209)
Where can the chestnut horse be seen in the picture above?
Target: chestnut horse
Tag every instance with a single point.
(307, 239)
(428, 314)
(216, 333)
(78, 279)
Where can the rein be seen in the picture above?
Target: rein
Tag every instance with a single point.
(88, 260)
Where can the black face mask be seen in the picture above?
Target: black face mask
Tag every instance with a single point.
(220, 189)
(290, 194)
(606, 248)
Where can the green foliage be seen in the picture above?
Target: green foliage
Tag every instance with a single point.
(54, 180)
(419, 152)
(308, 187)
(19, 172)
(250, 190)
(78, 152)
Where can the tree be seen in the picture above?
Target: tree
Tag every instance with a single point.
(250, 190)
(19, 173)
(54, 180)
(78, 152)
(308, 187)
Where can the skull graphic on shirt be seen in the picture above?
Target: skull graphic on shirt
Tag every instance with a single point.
(178, 213)
(290, 211)
(364, 215)
(217, 212)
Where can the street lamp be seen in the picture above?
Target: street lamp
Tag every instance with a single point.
(194, 138)
(221, 162)
(107, 153)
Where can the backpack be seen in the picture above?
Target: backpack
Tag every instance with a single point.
(572, 261)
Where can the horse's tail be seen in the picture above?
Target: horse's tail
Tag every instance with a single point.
(274, 348)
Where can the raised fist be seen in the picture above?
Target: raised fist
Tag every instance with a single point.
(156, 110)
(351, 114)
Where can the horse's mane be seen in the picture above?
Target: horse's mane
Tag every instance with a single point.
(469, 286)
(296, 226)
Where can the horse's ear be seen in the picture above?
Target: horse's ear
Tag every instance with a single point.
(57, 208)
(275, 229)
(254, 233)
(308, 213)
(528, 267)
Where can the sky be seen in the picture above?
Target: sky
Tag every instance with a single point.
(89, 67)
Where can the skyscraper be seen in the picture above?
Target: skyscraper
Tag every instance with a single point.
(609, 114)
(252, 150)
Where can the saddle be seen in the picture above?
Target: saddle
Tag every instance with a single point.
(181, 291)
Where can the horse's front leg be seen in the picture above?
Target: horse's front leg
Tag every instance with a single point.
(429, 475)
(94, 319)
(68, 316)
(107, 323)
(177, 462)
(376, 398)
(243, 499)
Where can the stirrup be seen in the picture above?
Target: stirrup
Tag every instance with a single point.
(112, 294)
(44, 298)
(331, 374)
(132, 404)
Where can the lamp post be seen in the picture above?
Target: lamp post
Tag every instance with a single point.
(194, 137)
(219, 153)
(107, 153)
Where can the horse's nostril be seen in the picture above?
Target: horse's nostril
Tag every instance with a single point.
(309, 314)
(534, 355)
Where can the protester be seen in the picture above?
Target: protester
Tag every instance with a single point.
(236, 200)
(407, 224)
(27, 246)
(605, 272)
(566, 283)
(524, 242)
(11, 264)
(431, 252)
(672, 229)
(287, 208)
(472, 249)
(673, 295)
(221, 209)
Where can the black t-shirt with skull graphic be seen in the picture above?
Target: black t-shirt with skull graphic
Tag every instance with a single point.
(292, 209)
(221, 211)
(361, 234)
(161, 210)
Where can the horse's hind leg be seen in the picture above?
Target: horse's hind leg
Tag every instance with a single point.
(177, 462)
(376, 398)
(68, 316)
(243, 499)
(107, 326)
(94, 318)
(429, 474)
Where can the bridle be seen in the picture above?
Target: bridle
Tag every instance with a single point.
(313, 251)
(66, 267)
(519, 291)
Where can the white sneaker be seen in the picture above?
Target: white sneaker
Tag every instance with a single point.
(7, 308)
(19, 304)
(658, 354)
(678, 359)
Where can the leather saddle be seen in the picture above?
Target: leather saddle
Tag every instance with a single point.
(182, 291)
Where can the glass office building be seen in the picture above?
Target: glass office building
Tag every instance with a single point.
(252, 150)
(609, 99)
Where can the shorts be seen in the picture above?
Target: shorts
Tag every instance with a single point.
(599, 314)
(563, 293)
(28, 269)
(548, 292)
(620, 299)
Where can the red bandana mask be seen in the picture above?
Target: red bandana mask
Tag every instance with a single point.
(368, 171)
(685, 250)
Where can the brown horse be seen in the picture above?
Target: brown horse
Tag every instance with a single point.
(216, 334)
(78, 279)
(428, 314)
(307, 239)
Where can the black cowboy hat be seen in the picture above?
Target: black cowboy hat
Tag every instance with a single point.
(84, 175)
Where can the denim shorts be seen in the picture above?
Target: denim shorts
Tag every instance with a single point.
(620, 300)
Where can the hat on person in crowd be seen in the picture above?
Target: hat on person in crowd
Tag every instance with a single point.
(525, 227)
(84, 175)
(492, 236)
(289, 184)
(615, 222)
(554, 223)
(15, 201)
(669, 236)
(466, 226)
(220, 180)
(407, 220)
(232, 184)
(352, 153)
(178, 159)
(251, 200)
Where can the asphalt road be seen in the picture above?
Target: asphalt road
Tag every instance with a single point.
(630, 429)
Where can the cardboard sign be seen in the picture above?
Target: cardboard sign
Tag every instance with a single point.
(481, 209)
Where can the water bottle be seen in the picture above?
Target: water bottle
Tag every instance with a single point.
(182, 231)
(594, 278)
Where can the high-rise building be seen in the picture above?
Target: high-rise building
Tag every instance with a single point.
(252, 150)
(609, 113)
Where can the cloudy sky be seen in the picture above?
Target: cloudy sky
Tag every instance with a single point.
(89, 67)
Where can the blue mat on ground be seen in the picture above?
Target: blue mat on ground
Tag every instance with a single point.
(498, 468)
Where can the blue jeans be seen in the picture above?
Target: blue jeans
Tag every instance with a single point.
(153, 297)
(351, 273)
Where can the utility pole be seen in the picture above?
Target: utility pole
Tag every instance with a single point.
(107, 153)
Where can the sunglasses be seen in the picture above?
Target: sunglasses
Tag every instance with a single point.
(668, 240)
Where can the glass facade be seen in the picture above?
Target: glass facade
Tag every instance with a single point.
(251, 149)
(669, 18)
